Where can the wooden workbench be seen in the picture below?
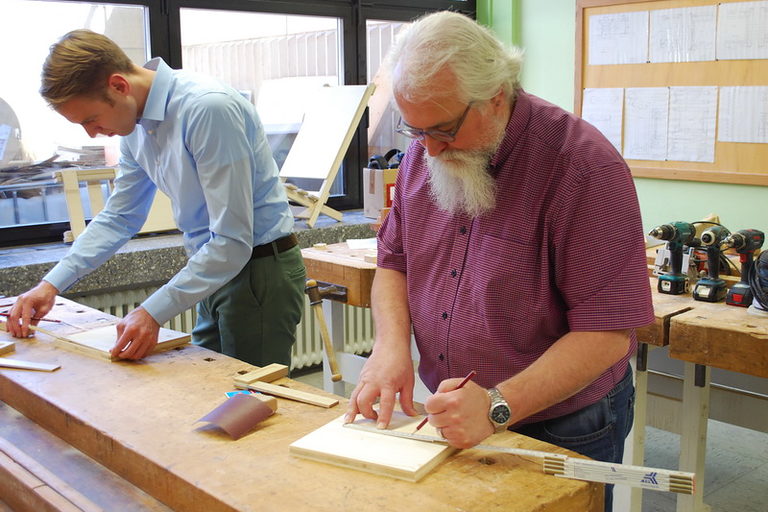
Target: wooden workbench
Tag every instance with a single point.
(338, 264)
(139, 420)
(700, 333)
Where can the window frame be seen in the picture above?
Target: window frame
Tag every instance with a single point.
(164, 33)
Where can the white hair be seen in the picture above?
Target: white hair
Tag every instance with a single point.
(479, 61)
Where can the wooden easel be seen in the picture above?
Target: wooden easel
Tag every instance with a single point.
(160, 216)
(319, 148)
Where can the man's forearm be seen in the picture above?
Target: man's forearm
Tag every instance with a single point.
(567, 367)
(389, 303)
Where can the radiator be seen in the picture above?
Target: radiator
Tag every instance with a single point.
(307, 351)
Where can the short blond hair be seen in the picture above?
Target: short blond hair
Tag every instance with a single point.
(79, 64)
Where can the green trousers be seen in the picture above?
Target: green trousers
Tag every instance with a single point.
(254, 316)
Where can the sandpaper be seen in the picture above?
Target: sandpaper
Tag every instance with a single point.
(238, 414)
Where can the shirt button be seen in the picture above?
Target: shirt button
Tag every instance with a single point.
(453, 273)
(462, 230)
(444, 315)
(441, 357)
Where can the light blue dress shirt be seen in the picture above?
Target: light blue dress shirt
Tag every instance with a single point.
(203, 145)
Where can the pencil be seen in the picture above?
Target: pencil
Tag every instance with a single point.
(461, 385)
(41, 319)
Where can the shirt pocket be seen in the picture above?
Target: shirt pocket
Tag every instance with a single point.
(511, 291)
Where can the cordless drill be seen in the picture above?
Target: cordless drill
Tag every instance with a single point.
(677, 235)
(711, 288)
(746, 242)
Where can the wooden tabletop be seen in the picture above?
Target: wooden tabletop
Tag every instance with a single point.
(140, 420)
(721, 336)
(712, 334)
(665, 307)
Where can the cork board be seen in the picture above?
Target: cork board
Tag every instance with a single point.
(734, 162)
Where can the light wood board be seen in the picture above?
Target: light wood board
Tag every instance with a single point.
(99, 341)
(18, 364)
(91, 332)
(6, 347)
(406, 459)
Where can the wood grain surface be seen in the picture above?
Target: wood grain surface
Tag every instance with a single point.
(139, 420)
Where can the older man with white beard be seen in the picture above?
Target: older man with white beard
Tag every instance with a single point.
(514, 248)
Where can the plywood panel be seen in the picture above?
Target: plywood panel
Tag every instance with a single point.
(406, 459)
(92, 332)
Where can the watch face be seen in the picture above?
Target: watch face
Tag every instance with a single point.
(500, 414)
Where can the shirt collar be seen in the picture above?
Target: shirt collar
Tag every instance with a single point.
(154, 108)
(521, 111)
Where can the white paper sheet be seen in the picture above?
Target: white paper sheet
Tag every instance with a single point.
(742, 30)
(646, 112)
(603, 109)
(5, 133)
(692, 121)
(361, 243)
(683, 35)
(620, 38)
(743, 115)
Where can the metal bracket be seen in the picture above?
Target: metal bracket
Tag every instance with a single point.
(332, 291)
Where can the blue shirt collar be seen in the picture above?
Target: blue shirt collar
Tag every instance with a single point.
(154, 108)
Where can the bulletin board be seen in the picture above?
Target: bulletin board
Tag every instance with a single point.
(740, 74)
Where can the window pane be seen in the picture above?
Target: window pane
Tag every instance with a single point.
(383, 115)
(272, 59)
(30, 132)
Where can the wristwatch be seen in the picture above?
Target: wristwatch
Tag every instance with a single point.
(499, 412)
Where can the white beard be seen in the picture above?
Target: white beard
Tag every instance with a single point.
(459, 179)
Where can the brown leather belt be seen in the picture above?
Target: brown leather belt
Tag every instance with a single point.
(276, 247)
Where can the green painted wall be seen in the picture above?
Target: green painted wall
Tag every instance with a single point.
(546, 30)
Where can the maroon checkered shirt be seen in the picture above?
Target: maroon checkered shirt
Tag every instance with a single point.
(562, 251)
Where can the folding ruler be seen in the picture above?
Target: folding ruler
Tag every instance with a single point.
(579, 469)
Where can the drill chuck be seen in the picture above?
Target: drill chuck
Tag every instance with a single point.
(745, 240)
(675, 232)
(714, 236)
(663, 232)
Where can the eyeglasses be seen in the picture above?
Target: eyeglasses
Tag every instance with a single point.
(441, 135)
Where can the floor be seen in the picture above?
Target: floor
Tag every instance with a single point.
(736, 473)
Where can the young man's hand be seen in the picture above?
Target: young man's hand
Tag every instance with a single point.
(30, 307)
(137, 335)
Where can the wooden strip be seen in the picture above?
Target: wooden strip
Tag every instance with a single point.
(292, 394)
(268, 373)
(18, 364)
(6, 347)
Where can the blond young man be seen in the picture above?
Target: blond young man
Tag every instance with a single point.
(203, 145)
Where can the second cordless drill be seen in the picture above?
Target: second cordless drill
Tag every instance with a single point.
(746, 242)
(677, 235)
(711, 288)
